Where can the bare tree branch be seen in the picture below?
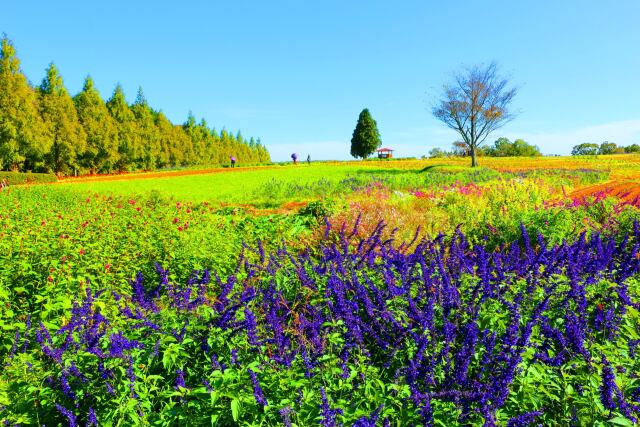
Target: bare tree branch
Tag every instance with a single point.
(475, 104)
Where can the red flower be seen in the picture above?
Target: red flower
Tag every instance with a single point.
(81, 251)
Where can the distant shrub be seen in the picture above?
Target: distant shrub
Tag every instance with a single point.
(16, 178)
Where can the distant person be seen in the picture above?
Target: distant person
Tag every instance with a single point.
(294, 157)
(309, 159)
(233, 161)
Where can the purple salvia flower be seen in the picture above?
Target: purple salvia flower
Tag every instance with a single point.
(110, 389)
(608, 386)
(179, 380)
(26, 334)
(156, 348)
(369, 421)
(524, 420)
(250, 325)
(257, 390)
(215, 364)
(633, 344)
(14, 347)
(328, 415)
(285, 416)
(73, 370)
(118, 344)
(132, 378)
(92, 419)
(71, 417)
(65, 387)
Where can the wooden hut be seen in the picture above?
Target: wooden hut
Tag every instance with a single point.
(385, 153)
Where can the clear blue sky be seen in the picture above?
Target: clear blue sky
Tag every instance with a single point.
(298, 73)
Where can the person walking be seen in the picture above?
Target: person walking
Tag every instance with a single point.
(309, 159)
(233, 161)
(294, 157)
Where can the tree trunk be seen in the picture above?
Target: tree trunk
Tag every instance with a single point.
(474, 160)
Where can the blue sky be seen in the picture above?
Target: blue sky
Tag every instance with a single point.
(297, 74)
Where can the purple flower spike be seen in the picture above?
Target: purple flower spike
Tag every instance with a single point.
(71, 417)
(257, 390)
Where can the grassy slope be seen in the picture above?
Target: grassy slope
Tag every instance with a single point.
(229, 186)
(248, 185)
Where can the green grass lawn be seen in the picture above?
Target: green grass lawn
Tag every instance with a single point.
(242, 186)
(272, 186)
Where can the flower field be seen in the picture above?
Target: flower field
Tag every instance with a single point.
(628, 192)
(381, 294)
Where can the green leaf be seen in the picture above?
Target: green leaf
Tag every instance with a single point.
(621, 421)
(235, 409)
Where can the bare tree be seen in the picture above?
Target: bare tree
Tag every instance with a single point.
(475, 104)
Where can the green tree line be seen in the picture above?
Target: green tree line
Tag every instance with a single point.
(590, 149)
(44, 129)
(502, 147)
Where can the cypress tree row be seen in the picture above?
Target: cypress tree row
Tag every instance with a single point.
(44, 129)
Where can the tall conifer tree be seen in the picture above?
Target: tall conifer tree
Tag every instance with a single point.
(366, 138)
(101, 154)
(22, 142)
(147, 132)
(128, 139)
(170, 146)
(61, 121)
